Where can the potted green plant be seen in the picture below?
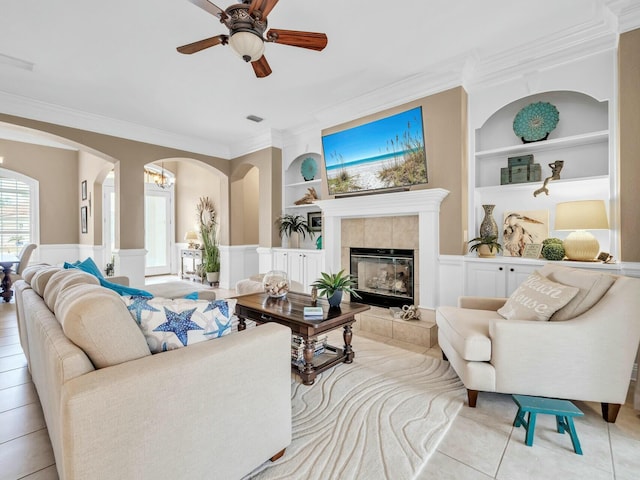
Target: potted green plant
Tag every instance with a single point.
(485, 246)
(292, 226)
(332, 285)
(208, 233)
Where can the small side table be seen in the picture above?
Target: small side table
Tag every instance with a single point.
(564, 411)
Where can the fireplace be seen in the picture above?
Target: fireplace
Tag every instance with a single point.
(423, 203)
(384, 276)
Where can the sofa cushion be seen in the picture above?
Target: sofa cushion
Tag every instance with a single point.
(62, 279)
(90, 266)
(467, 331)
(168, 324)
(40, 279)
(95, 319)
(30, 271)
(537, 298)
(591, 288)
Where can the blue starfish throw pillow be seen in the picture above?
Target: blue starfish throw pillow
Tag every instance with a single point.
(169, 324)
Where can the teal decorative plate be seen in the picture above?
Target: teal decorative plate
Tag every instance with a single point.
(535, 121)
(309, 168)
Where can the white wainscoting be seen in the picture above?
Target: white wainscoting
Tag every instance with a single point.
(451, 285)
(236, 263)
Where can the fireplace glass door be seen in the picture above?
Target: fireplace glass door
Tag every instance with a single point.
(384, 276)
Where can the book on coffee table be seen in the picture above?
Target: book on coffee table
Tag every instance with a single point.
(313, 313)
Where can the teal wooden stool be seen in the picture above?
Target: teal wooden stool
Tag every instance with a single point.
(564, 411)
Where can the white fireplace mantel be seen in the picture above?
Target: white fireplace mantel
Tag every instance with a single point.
(424, 203)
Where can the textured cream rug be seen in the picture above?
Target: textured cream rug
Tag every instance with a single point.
(379, 418)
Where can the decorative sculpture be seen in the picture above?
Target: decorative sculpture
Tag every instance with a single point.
(556, 167)
(308, 198)
(410, 312)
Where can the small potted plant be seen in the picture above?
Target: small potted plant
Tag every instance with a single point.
(292, 226)
(485, 246)
(332, 285)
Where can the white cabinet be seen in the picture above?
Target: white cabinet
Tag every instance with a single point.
(496, 277)
(302, 266)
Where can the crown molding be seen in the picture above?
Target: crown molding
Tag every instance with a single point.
(627, 13)
(271, 138)
(47, 112)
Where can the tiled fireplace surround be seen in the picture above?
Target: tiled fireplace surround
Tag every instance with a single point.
(408, 220)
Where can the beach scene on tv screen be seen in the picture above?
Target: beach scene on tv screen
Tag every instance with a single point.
(386, 153)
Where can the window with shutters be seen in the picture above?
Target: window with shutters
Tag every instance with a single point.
(17, 219)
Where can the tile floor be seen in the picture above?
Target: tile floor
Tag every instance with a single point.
(481, 443)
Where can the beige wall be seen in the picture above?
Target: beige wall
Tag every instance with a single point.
(57, 172)
(195, 180)
(269, 164)
(91, 168)
(629, 144)
(245, 201)
(445, 127)
(129, 158)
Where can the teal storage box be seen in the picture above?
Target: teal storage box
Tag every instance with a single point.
(520, 161)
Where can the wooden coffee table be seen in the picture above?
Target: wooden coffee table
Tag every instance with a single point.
(289, 311)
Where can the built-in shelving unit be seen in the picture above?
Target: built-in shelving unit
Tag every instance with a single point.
(581, 140)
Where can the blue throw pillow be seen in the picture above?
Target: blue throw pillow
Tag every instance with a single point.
(90, 266)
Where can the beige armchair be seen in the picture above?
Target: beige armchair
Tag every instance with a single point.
(589, 357)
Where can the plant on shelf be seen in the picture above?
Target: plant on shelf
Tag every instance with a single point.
(292, 226)
(208, 233)
(332, 285)
(485, 246)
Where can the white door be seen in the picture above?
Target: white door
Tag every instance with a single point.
(158, 238)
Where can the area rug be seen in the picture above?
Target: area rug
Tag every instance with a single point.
(381, 417)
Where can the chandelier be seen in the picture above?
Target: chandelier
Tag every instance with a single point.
(160, 178)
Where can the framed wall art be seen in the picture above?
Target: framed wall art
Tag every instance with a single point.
(83, 219)
(314, 219)
(84, 190)
(521, 228)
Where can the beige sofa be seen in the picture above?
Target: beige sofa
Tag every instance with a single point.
(588, 357)
(215, 409)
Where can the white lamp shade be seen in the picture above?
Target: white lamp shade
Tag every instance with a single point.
(580, 216)
(191, 236)
(247, 46)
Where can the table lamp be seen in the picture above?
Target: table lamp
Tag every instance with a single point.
(580, 216)
(191, 237)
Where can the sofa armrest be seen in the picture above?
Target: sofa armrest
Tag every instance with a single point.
(481, 303)
(220, 406)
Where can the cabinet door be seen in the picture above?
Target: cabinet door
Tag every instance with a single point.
(296, 267)
(486, 280)
(281, 261)
(314, 263)
(516, 274)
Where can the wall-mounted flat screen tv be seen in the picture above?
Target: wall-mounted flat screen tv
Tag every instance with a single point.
(384, 154)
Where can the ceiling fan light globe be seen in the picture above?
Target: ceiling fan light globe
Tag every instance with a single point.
(247, 46)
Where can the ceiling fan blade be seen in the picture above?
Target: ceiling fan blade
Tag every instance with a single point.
(211, 8)
(267, 6)
(261, 67)
(202, 44)
(310, 40)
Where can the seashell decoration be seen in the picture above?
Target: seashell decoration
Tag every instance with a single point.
(276, 284)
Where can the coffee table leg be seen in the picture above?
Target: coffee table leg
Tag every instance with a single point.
(241, 324)
(349, 354)
(308, 373)
(7, 293)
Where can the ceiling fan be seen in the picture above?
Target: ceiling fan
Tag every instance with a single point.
(247, 22)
